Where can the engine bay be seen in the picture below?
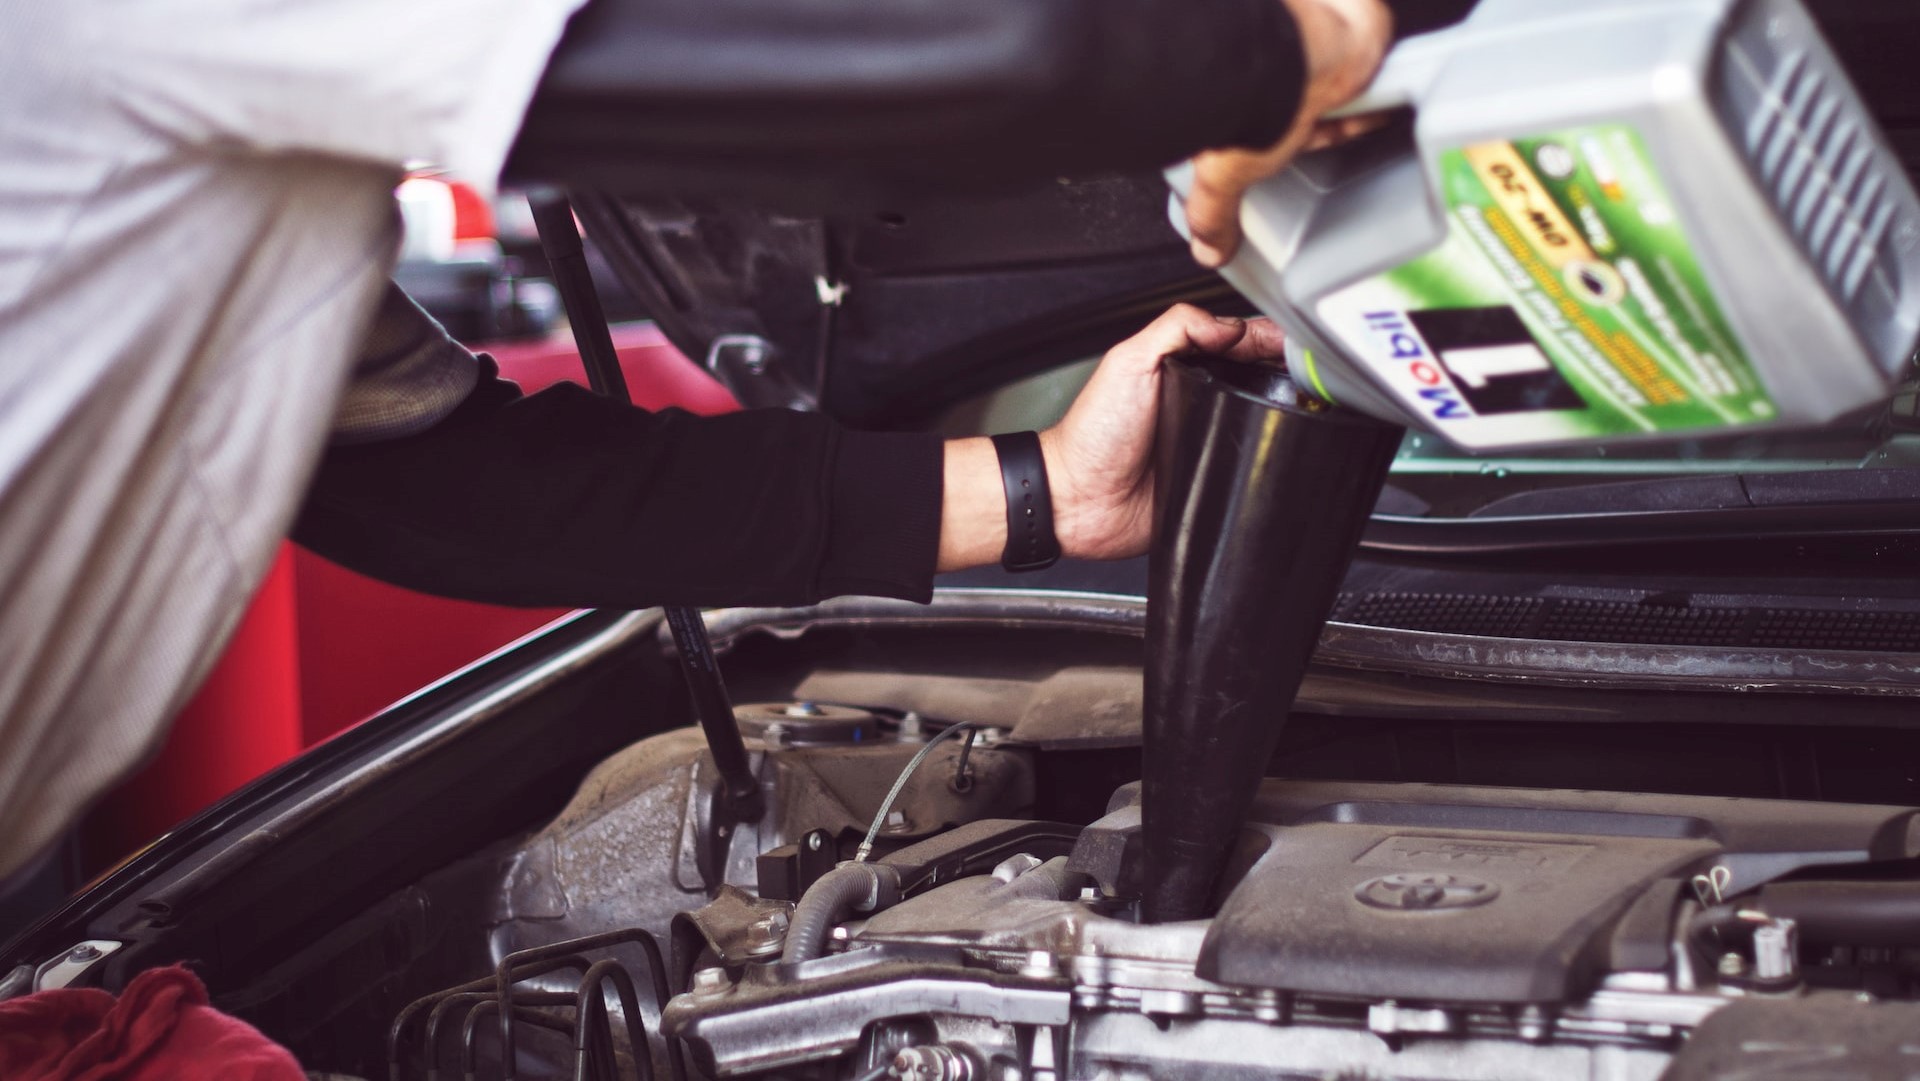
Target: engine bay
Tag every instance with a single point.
(1364, 929)
(538, 855)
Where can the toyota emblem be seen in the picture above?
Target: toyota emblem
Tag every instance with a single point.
(1425, 892)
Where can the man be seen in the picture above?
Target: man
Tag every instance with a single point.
(196, 225)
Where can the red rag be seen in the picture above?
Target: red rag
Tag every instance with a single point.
(160, 1029)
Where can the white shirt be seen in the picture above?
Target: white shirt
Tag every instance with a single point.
(196, 221)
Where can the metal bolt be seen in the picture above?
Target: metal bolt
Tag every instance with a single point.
(710, 981)
(931, 1062)
(1732, 964)
(1089, 895)
(774, 735)
(804, 709)
(767, 935)
(84, 952)
(896, 823)
(910, 726)
(814, 842)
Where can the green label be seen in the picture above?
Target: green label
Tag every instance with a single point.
(1565, 304)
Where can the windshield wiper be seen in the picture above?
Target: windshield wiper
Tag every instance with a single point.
(1734, 506)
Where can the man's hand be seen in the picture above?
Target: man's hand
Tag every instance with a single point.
(1100, 457)
(1344, 40)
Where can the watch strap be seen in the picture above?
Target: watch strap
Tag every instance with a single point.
(1031, 543)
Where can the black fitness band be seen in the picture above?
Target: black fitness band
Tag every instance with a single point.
(1031, 545)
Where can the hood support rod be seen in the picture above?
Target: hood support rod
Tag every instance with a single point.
(567, 260)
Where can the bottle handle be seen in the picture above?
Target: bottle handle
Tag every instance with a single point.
(1411, 66)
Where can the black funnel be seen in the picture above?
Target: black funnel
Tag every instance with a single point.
(1262, 494)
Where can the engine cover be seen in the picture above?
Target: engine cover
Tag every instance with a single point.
(1421, 911)
(1485, 895)
(1385, 931)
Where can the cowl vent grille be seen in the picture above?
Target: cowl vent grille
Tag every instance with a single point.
(1655, 622)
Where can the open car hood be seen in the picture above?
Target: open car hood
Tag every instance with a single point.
(884, 307)
(885, 314)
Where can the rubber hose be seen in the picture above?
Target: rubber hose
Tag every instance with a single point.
(1847, 913)
(848, 888)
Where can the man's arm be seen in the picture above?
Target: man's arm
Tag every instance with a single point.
(567, 498)
(444, 478)
(447, 480)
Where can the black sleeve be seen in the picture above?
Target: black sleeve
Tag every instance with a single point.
(1006, 89)
(565, 498)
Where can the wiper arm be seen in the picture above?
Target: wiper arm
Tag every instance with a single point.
(1824, 503)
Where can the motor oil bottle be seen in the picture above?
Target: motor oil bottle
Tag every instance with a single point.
(1610, 220)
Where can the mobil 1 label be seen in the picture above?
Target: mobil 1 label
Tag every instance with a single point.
(1565, 304)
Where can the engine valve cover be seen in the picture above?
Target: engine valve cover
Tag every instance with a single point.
(1441, 893)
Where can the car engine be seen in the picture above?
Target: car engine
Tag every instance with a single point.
(896, 915)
